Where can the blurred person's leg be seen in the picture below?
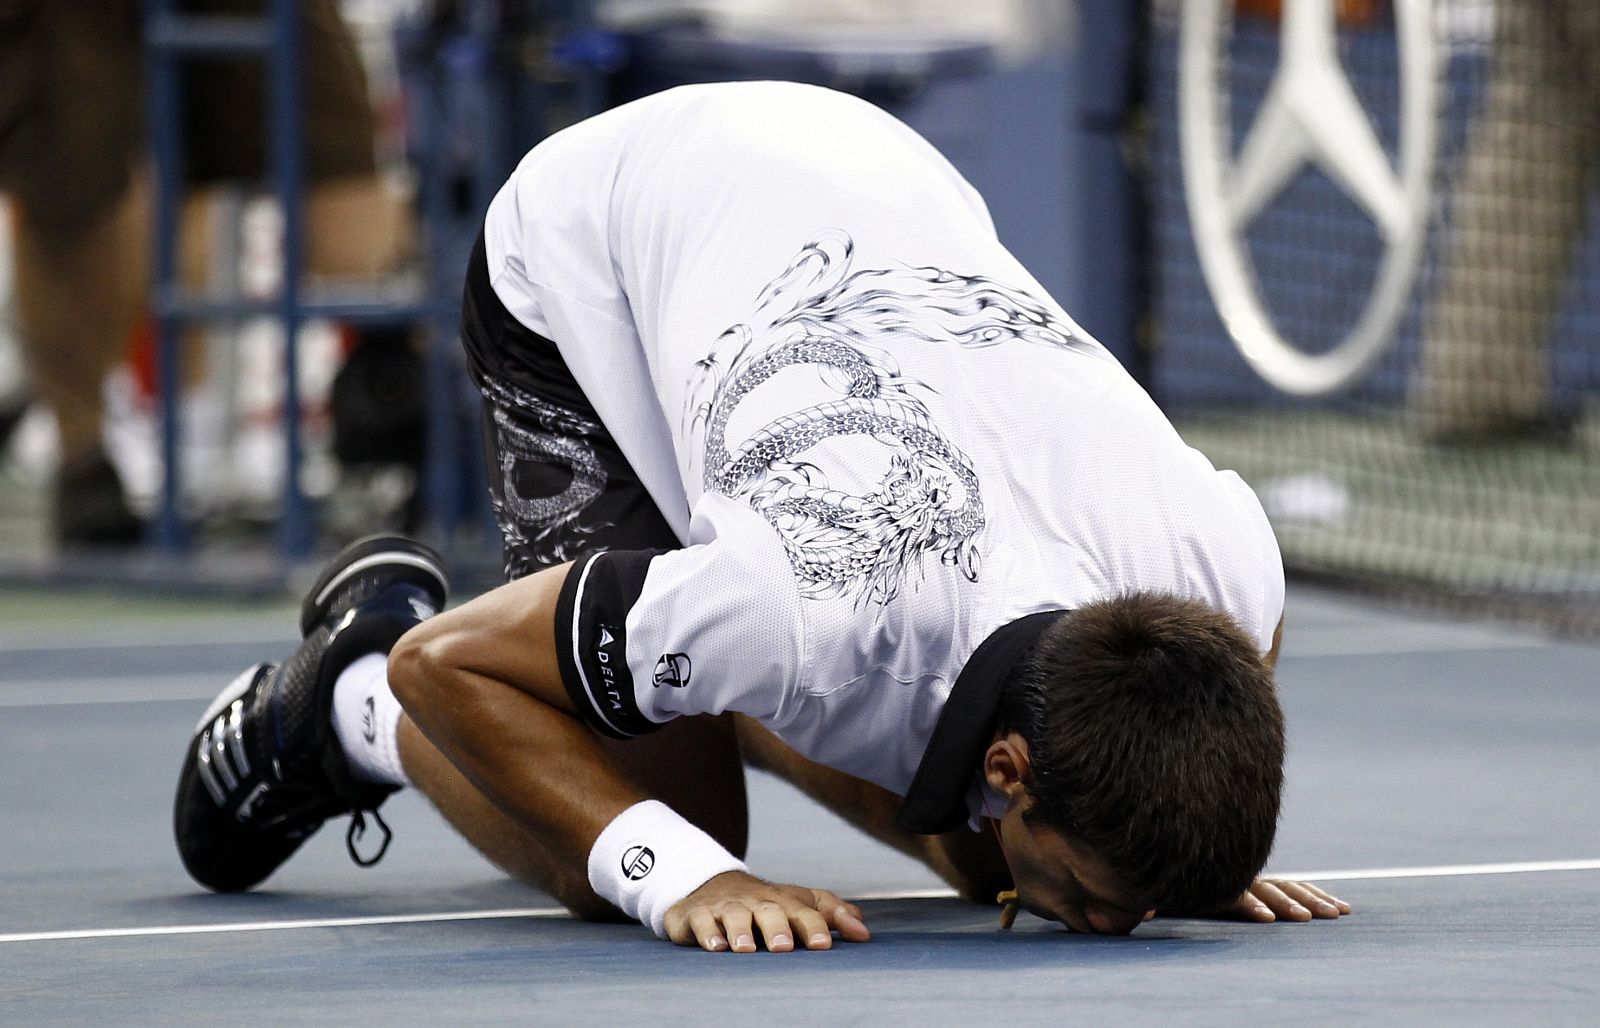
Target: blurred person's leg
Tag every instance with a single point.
(71, 79)
(357, 225)
(79, 293)
(357, 228)
(1518, 213)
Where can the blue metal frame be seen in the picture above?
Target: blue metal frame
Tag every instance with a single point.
(288, 174)
(165, 41)
(1111, 211)
(171, 38)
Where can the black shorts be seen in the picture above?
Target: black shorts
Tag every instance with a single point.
(558, 482)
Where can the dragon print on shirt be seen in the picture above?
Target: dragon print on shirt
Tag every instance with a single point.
(540, 531)
(820, 312)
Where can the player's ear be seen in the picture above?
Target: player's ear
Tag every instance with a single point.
(1005, 764)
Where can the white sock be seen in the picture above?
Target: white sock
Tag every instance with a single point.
(366, 720)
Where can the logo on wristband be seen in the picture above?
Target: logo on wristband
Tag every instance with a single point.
(637, 862)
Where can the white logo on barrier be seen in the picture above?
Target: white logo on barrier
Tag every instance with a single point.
(1311, 116)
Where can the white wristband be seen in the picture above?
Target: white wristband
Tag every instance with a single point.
(650, 858)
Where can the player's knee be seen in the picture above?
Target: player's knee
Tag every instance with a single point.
(418, 665)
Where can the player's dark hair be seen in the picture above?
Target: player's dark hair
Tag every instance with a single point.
(1155, 739)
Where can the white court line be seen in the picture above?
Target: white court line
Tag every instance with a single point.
(66, 692)
(154, 638)
(278, 926)
(1439, 871)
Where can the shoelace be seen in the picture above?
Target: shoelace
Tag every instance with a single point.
(358, 829)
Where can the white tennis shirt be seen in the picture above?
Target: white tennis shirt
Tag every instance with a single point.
(877, 437)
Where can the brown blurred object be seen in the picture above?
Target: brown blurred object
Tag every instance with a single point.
(1353, 13)
(1520, 206)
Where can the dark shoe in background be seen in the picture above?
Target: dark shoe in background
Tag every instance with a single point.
(11, 414)
(91, 505)
(378, 435)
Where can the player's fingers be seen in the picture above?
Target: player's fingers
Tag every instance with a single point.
(703, 930)
(1323, 894)
(810, 927)
(773, 921)
(735, 918)
(682, 924)
(1281, 904)
(1251, 908)
(677, 925)
(844, 918)
(1308, 898)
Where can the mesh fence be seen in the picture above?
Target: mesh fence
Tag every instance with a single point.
(1463, 459)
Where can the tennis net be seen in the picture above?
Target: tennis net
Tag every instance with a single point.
(1389, 205)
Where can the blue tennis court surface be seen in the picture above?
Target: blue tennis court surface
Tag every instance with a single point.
(1444, 778)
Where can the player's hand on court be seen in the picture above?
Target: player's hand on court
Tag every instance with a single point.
(733, 909)
(1278, 899)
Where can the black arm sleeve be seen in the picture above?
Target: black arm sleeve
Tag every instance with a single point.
(591, 639)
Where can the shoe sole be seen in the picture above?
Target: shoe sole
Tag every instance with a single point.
(364, 555)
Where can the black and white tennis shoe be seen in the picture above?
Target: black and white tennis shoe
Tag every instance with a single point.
(264, 769)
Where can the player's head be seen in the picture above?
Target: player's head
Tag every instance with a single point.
(1150, 762)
